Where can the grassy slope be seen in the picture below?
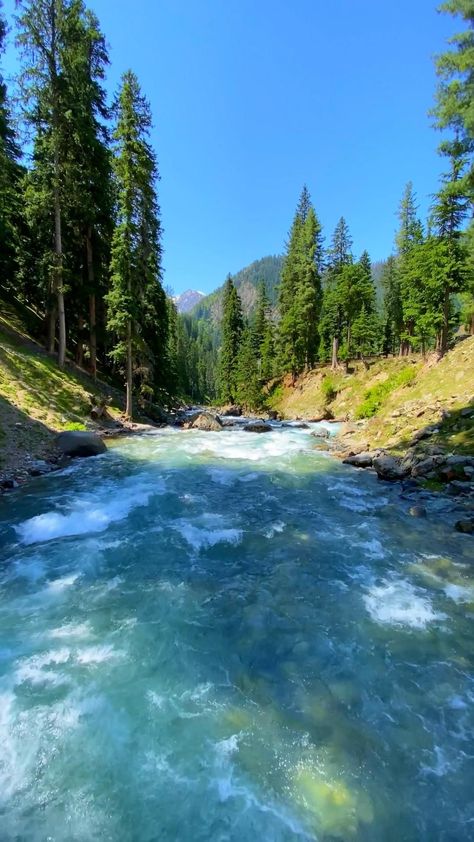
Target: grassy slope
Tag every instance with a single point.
(447, 385)
(36, 398)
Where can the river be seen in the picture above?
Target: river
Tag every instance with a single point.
(232, 636)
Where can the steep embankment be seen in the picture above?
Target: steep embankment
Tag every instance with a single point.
(37, 399)
(391, 399)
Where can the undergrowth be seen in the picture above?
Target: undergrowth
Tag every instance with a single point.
(375, 397)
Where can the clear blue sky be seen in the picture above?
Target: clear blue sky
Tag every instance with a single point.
(252, 98)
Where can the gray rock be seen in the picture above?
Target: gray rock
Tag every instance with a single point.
(417, 511)
(206, 421)
(360, 460)
(257, 427)
(80, 443)
(465, 526)
(234, 410)
(389, 468)
(322, 433)
(457, 488)
(295, 425)
(430, 463)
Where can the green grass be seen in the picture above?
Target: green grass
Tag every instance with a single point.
(375, 397)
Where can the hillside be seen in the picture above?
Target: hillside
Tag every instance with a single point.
(246, 281)
(37, 399)
(391, 400)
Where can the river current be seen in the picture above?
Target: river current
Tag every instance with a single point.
(231, 636)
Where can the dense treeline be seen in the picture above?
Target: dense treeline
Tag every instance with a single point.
(80, 235)
(328, 307)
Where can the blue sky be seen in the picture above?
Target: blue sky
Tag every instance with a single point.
(252, 98)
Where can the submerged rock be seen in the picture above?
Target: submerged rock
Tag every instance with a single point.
(207, 421)
(465, 526)
(257, 427)
(417, 511)
(80, 443)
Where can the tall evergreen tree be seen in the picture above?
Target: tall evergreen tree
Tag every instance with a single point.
(408, 238)
(45, 39)
(300, 290)
(10, 183)
(248, 384)
(231, 331)
(137, 315)
(334, 306)
(392, 307)
(455, 94)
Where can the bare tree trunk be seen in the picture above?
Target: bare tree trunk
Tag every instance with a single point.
(335, 349)
(80, 344)
(129, 404)
(52, 316)
(58, 247)
(92, 307)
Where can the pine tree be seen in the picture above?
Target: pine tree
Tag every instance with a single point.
(334, 305)
(249, 390)
(300, 290)
(89, 210)
(340, 251)
(137, 315)
(455, 94)
(10, 183)
(44, 36)
(450, 209)
(409, 237)
(392, 307)
(231, 331)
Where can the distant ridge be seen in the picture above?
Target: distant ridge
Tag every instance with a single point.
(246, 280)
(187, 300)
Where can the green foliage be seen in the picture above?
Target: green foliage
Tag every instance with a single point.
(329, 389)
(300, 291)
(231, 330)
(375, 397)
(137, 310)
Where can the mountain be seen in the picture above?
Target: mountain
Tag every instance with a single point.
(246, 281)
(187, 300)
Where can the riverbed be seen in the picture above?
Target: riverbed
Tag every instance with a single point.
(232, 636)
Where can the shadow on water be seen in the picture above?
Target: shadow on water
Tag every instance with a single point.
(239, 590)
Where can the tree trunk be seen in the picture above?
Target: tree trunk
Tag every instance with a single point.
(58, 248)
(129, 404)
(335, 349)
(80, 345)
(92, 307)
(444, 333)
(52, 316)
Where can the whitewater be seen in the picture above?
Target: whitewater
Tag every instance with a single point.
(232, 636)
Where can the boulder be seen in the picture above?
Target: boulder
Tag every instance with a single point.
(234, 410)
(80, 443)
(257, 427)
(389, 468)
(427, 465)
(273, 415)
(360, 460)
(206, 421)
(465, 526)
(322, 433)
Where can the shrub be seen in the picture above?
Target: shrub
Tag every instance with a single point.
(374, 397)
(329, 390)
(71, 426)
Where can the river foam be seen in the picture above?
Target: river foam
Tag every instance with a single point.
(399, 603)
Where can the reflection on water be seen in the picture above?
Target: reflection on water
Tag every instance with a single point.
(229, 636)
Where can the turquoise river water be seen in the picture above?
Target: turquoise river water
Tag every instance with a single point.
(231, 636)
